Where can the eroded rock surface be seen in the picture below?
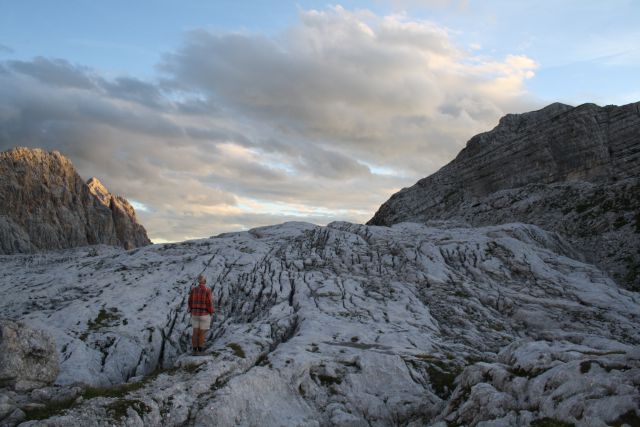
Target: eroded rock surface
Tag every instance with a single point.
(338, 325)
(575, 171)
(28, 357)
(44, 205)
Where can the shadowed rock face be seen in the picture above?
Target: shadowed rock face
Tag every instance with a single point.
(570, 170)
(45, 205)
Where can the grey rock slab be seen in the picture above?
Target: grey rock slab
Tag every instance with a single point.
(383, 326)
(28, 357)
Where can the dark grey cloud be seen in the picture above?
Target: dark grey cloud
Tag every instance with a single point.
(135, 90)
(321, 122)
(58, 72)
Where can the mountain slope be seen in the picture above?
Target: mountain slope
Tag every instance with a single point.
(338, 325)
(575, 171)
(44, 205)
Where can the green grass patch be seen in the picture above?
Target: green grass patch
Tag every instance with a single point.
(442, 374)
(499, 327)
(192, 369)
(237, 350)
(118, 409)
(105, 318)
(442, 378)
(425, 356)
(328, 380)
(51, 409)
(325, 380)
(54, 408)
(115, 391)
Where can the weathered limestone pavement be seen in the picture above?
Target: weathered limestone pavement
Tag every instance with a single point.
(338, 325)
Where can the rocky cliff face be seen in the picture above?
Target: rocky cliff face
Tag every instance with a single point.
(129, 233)
(343, 325)
(571, 170)
(44, 205)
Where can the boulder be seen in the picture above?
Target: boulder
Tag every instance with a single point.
(28, 357)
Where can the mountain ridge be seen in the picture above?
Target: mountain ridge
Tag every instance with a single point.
(46, 205)
(582, 164)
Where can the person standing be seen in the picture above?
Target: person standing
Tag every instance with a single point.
(201, 309)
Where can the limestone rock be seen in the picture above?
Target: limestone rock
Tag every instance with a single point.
(575, 171)
(129, 233)
(14, 418)
(338, 325)
(45, 205)
(28, 358)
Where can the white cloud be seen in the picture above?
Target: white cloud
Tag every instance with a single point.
(323, 121)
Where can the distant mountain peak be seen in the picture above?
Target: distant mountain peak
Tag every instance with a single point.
(46, 205)
(99, 190)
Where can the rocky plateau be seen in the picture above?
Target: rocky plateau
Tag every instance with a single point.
(338, 325)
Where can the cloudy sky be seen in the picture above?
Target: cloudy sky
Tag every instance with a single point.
(214, 116)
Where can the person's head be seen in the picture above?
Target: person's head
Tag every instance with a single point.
(201, 279)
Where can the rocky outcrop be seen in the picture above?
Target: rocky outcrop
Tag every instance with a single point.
(28, 357)
(575, 171)
(44, 205)
(29, 365)
(129, 233)
(339, 325)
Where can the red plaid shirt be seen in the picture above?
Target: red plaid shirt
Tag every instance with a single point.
(200, 301)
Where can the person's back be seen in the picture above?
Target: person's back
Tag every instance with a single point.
(201, 309)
